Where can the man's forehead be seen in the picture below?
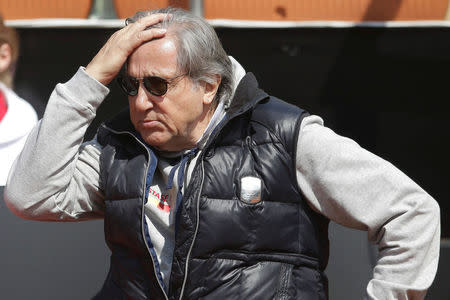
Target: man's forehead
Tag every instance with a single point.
(158, 55)
(162, 45)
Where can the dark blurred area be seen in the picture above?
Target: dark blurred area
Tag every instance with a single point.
(384, 87)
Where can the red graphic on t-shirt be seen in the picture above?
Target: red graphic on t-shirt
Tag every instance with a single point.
(3, 105)
(159, 200)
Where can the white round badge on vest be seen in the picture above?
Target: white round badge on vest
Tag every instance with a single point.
(250, 189)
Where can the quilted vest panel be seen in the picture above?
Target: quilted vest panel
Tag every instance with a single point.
(274, 249)
(124, 165)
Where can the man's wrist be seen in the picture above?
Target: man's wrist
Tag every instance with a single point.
(86, 89)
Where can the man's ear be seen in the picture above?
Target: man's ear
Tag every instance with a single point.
(5, 57)
(211, 90)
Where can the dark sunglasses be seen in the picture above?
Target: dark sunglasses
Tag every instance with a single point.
(155, 85)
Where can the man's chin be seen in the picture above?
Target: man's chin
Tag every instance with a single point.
(155, 142)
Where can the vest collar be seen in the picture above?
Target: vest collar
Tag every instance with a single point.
(246, 96)
(121, 121)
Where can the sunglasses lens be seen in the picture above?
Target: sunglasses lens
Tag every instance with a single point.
(128, 85)
(155, 85)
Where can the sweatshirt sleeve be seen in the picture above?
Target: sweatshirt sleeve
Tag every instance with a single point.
(56, 176)
(357, 189)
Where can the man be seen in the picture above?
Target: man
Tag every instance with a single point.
(17, 117)
(209, 187)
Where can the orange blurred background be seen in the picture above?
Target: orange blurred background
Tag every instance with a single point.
(274, 10)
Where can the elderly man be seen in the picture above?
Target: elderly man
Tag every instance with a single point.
(210, 188)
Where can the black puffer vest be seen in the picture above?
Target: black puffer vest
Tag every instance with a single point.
(226, 248)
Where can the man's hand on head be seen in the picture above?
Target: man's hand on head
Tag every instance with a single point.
(111, 57)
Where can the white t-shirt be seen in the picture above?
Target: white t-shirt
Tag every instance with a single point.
(19, 119)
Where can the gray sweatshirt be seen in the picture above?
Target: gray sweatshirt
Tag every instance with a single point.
(57, 178)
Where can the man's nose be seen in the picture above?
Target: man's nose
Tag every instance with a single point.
(143, 99)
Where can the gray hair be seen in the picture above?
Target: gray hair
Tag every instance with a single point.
(199, 51)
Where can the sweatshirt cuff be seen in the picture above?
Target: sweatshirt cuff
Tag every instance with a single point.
(86, 88)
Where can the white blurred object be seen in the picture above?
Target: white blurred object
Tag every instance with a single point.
(19, 119)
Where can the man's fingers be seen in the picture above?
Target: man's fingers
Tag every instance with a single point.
(147, 35)
(139, 34)
(145, 22)
(150, 20)
(108, 61)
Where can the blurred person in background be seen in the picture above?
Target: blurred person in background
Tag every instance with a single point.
(17, 116)
(209, 187)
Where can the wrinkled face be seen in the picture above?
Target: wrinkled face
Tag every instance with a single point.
(176, 120)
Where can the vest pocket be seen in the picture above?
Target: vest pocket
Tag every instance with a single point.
(227, 277)
(284, 282)
(233, 224)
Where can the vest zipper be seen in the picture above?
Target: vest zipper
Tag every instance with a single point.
(196, 230)
(143, 204)
(211, 138)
